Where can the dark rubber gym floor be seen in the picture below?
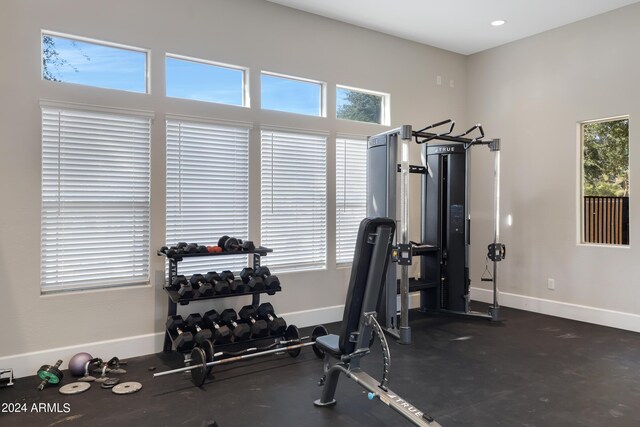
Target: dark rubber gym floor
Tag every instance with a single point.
(530, 370)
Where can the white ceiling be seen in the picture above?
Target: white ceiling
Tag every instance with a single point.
(461, 26)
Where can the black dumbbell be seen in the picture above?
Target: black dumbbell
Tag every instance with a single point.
(182, 285)
(220, 287)
(171, 251)
(271, 282)
(196, 324)
(254, 282)
(203, 288)
(276, 324)
(221, 333)
(248, 246)
(229, 244)
(236, 285)
(191, 248)
(184, 340)
(259, 327)
(240, 331)
(201, 249)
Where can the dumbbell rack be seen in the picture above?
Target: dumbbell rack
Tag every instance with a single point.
(174, 299)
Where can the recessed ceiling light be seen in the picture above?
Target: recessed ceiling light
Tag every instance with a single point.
(498, 22)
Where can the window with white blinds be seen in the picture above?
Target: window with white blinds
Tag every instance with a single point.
(351, 194)
(207, 189)
(95, 199)
(294, 199)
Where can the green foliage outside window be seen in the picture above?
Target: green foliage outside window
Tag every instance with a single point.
(606, 158)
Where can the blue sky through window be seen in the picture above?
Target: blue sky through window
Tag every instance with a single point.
(341, 97)
(95, 65)
(293, 96)
(204, 82)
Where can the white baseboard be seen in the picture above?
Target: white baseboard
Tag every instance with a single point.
(27, 364)
(314, 317)
(583, 313)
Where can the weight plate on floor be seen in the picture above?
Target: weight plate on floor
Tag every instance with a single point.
(101, 379)
(126, 388)
(318, 331)
(87, 378)
(292, 335)
(74, 388)
(200, 370)
(110, 382)
(207, 347)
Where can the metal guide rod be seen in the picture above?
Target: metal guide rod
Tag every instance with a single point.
(234, 359)
(405, 138)
(496, 217)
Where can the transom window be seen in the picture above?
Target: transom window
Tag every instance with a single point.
(292, 94)
(71, 59)
(362, 105)
(202, 80)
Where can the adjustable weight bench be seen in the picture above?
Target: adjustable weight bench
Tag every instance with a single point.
(343, 352)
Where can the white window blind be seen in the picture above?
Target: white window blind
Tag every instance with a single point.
(294, 199)
(95, 199)
(351, 194)
(207, 189)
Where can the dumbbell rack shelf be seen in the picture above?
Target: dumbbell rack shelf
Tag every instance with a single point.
(239, 345)
(174, 299)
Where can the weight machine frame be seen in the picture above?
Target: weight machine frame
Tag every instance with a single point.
(381, 201)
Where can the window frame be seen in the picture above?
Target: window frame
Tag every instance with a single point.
(581, 176)
(347, 138)
(192, 122)
(297, 267)
(92, 109)
(385, 113)
(323, 92)
(146, 51)
(246, 98)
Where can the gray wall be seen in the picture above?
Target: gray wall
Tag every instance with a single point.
(252, 33)
(533, 93)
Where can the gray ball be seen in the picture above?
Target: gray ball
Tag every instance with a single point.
(78, 362)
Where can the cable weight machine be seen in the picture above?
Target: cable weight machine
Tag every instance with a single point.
(444, 280)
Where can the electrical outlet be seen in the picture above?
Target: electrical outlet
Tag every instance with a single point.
(551, 284)
(438, 80)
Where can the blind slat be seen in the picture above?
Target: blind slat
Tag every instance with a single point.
(95, 199)
(294, 199)
(207, 189)
(351, 194)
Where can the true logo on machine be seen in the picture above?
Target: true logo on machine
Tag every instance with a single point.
(406, 405)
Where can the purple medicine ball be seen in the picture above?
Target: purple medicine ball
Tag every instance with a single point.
(77, 364)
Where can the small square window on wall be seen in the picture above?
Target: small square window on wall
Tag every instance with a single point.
(202, 80)
(605, 181)
(362, 105)
(71, 59)
(292, 94)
